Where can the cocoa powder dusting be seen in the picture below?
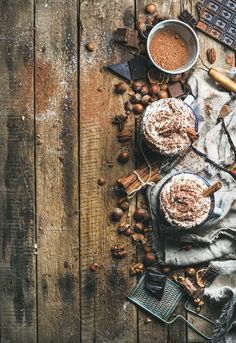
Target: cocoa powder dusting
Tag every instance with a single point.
(169, 50)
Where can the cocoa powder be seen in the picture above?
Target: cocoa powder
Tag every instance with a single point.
(169, 50)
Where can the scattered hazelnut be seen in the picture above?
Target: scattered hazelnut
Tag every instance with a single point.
(93, 267)
(140, 24)
(101, 181)
(138, 109)
(165, 270)
(163, 94)
(147, 217)
(139, 227)
(136, 98)
(123, 203)
(139, 214)
(154, 89)
(123, 156)
(90, 46)
(128, 232)
(136, 86)
(143, 90)
(118, 251)
(147, 249)
(190, 271)
(39, 141)
(128, 107)
(149, 258)
(163, 87)
(150, 8)
(117, 214)
(146, 100)
(120, 87)
(121, 229)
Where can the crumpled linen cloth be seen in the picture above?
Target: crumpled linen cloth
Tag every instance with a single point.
(217, 238)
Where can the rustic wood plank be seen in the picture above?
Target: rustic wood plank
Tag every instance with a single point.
(17, 197)
(57, 171)
(106, 315)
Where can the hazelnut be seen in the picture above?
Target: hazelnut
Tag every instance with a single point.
(136, 98)
(143, 90)
(128, 107)
(149, 258)
(147, 321)
(163, 87)
(136, 86)
(190, 271)
(139, 214)
(138, 109)
(117, 214)
(139, 227)
(123, 203)
(147, 217)
(121, 229)
(146, 100)
(163, 94)
(150, 8)
(101, 181)
(93, 267)
(140, 24)
(147, 249)
(123, 156)
(154, 89)
(165, 270)
(90, 46)
(128, 232)
(120, 87)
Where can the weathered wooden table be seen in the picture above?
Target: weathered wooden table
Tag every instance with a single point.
(56, 140)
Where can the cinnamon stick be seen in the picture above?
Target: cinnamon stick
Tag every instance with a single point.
(131, 182)
(212, 189)
(192, 134)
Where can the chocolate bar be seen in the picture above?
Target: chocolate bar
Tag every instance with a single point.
(176, 89)
(210, 275)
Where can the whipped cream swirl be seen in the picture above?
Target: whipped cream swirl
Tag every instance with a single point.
(164, 125)
(182, 202)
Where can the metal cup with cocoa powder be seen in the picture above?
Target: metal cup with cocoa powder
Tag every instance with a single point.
(173, 46)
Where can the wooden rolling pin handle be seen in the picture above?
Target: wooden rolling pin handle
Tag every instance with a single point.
(223, 80)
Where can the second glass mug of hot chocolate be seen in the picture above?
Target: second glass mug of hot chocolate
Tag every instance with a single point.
(182, 204)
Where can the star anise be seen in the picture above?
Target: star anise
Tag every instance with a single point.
(120, 120)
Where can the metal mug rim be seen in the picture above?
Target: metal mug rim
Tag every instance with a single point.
(155, 28)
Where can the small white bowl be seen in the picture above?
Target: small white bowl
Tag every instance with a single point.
(185, 32)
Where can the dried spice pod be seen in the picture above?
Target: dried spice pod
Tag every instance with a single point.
(212, 189)
(211, 55)
(136, 269)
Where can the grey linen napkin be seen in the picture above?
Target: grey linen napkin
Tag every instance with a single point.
(217, 238)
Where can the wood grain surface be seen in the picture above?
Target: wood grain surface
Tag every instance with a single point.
(57, 102)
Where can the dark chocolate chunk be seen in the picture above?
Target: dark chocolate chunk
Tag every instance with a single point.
(155, 282)
(138, 67)
(187, 17)
(121, 69)
(176, 89)
(127, 36)
(210, 275)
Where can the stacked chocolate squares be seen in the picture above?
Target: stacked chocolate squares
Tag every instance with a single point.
(155, 282)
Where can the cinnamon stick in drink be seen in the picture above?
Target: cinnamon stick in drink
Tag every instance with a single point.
(212, 189)
(192, 134)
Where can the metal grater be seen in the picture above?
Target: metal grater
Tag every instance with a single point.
(162, 309)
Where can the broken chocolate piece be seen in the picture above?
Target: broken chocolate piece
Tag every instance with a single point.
(126, 36)
(121, 69)
(176, 90)
(187, 17)
(155, 282)
(138, 67)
